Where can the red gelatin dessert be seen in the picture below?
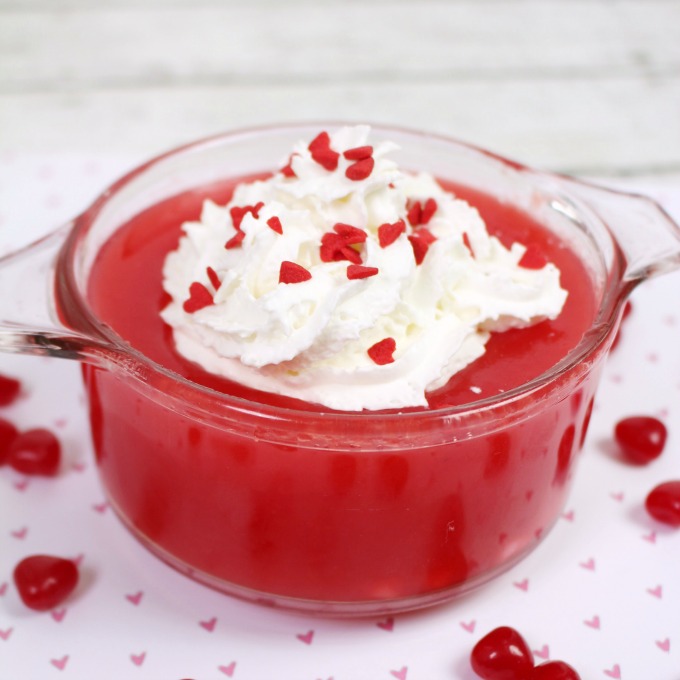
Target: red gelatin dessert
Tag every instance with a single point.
(332, 505)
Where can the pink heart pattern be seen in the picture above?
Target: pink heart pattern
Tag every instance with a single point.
(209, 625)
(588, 564)
(593, 623)
(4, 634)
(522, 585)
(656, 592)
(138, 659)
(58, 614)
(469, 627)
(228, 670)
(401, 673)
(306, 637)
(60, 663)
(614, 673)
(135, 598)
(664, 645)
(542, 653)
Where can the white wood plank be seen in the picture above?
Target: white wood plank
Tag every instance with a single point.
(622, 126)
(306, 43)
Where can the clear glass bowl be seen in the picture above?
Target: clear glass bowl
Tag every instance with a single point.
(336, 513)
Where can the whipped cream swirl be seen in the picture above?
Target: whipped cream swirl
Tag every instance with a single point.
(345, 281)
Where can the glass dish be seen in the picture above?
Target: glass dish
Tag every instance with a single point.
(336, 513)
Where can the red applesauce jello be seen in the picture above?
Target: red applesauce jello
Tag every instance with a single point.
(441, 295)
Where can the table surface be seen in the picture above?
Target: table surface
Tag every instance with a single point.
(89, 89)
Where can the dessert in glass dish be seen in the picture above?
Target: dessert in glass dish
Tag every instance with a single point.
(337, 369)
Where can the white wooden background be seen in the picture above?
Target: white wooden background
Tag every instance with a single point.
(589, 87)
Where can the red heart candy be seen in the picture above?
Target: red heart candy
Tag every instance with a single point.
(35, 452)
(502, 654)
(554, 670)
(663, 503)
(360, 169)
(641, 438)
(44, 581)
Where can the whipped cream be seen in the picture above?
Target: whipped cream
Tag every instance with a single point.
(345, 281)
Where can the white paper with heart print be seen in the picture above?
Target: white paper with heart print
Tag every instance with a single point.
(601, 592)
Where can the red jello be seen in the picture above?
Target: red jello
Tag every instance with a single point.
(367, 512)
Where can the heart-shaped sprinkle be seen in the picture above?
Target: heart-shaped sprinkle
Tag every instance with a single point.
(419, 214)
(360, 170)
(663, 503)
(9, 390)
(290, 272)
(382, 352)
(428, 211)
(349, 234)
(239, 212)
(320, 149)
(235, 241)
(420, 242)
(199, 298)
(274, 223)
(287, 170)
(214, 279)
(44, 581)
(357, 271)
(35, 452)
(388, 233)
(502, 654)
(358, 153)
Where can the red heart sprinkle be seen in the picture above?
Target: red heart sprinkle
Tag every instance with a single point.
(35, 452)
(419, 214)
(381, 353)
(239, 212)
(199, 297)
(429, 209)
(335, 246)
(414, 210)
(320, 148)
(502, 654)
(358, 153)
(360, 169)
(663, 503)
(641, 438)
(389, 233)
(533, 258)
(8, 434)
(9, 390)
(290, 272)
(287, 170)
(274, 223)
(214, 279)
(235, 241)
(356, 271)
(44, 581)
(554, 670)
(420, 242)
(350, 235)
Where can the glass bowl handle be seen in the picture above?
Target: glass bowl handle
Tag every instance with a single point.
(646, 234)
(29, 323)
